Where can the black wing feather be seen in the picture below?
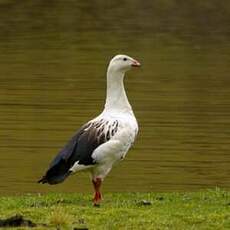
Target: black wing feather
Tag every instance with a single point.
(79, 148)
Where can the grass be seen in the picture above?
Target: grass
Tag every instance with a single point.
(209, 209)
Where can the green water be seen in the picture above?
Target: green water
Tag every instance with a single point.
(53, 59)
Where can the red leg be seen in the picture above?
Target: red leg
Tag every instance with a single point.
(97, 197)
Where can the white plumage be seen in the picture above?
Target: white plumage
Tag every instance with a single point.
(104, 140)
(114, 149)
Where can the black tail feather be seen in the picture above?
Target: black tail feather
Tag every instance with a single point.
(43, 180)
(56, 174)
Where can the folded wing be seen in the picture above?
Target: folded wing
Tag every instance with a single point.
(79, 149)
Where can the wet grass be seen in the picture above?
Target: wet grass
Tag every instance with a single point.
(208, 209)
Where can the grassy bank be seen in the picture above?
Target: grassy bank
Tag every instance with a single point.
(196, 210)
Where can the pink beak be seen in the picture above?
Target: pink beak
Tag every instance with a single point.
(136, 63)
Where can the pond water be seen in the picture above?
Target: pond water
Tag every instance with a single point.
(53, 60)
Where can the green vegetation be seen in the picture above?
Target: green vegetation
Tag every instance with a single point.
(189, 210)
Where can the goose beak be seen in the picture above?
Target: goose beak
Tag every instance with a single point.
(135, 63)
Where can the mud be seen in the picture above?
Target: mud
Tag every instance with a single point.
(16, 221)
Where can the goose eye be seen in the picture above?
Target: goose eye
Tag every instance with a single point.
(124, 59)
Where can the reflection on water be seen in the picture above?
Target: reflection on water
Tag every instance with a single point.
(53, 57)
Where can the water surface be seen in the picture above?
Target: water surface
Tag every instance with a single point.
(53, 58)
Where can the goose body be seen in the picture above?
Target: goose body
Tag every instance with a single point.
(104, 140)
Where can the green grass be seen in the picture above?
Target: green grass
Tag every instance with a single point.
(208, 209)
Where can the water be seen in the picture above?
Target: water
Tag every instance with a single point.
(53, 58)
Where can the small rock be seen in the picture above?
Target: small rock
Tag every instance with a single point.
(145, 203)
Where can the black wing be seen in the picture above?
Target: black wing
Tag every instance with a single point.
(79, 148)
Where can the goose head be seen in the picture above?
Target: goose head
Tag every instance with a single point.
(122, 63)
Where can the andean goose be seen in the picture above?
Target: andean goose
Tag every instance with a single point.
(104, 140)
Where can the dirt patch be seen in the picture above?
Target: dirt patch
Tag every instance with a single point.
(16, 221)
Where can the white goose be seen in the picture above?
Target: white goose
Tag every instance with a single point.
(105, 139)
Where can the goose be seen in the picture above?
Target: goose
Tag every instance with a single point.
(104, 140)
